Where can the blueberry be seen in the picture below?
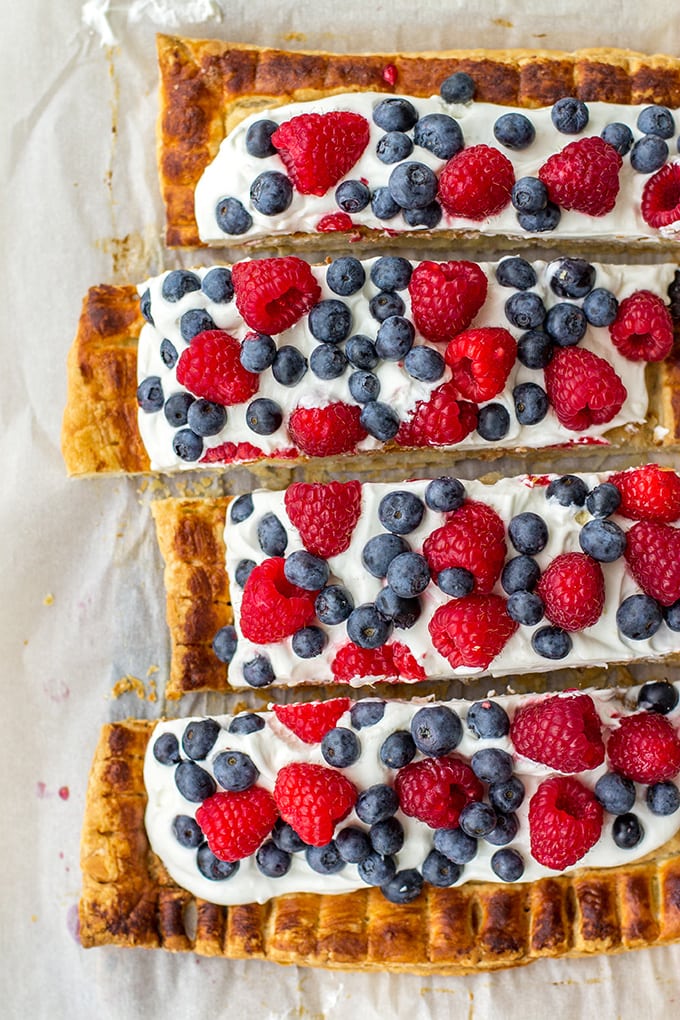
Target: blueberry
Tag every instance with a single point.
(656, 120)
(428, 217)
(345, 275)
(395, 338)
(395, 114)
(364, 386)
(217, 285)
(387, 836)
(534, 349)
(272, 861)
(525, 310)
(408, 575)
(257, 352)
(366, 713)
(477, 819)
(145, 306)
(439, 134)
(521, 573)
(353, 844)
(619, 136)
(176, 409)
(187, 831)
(529, 195)
(412, 185)
(212, 867)
(493, 422)
(566, 324)
(551, 642)
(380, 420)
(615, 794)
(456, 581)
(504, 831)
(627, 831)
(286, 838)
(263, 416)
(541, 221)
(206, 418)
(187, 445)
(324, 859)
(376, 803)
(514, 131)
(193, 322)
(405, 887)
(528, 532)
(231, 216)
(531, 403)
(400, 511)
(436, 730)
(658, 696)
(258, 672)
(397, 749)
(379, 552)
(525, 607)
(492, 765)
(391, 272)
(603, 500)
(150, 394)
(671, 615)
(403, 612)
(568, 490)
(271, 193)
(572, 278)
(383, 206)
(259, 139)
(516, 272)
(352, 196)
(393, 146)
(224, 643)
(424, 363)
(508, 796)
(673, 292)
(178, 283)
(455, 844)
(569, 116)
(639, 617)
(361, 352)
(488, 720)
(603, 540)
(308, 642)
(600, 307)
(333, 604)
(235, 770)
(245, 723)
(328, 362)
(330, 321)
(663, 798)
(508, 865)
(199, 738)
(166, 749)
(340, 747)
(445, 494)
(376, 869)
(289, 365)
(168, 353)
(648, 154)
(243, 571)
(193, 782)
(306, 571)
(271, 535)
(439, 871)
(384, 304)
(367, 627)
(457, 88)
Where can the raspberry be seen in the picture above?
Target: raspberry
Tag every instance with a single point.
(471, 631)
(272, 608)
(480, 361)
(334, 222)
(325, 515)
(649, 493)
(236, 823)
(211, 368)
(474, 539)
(583, 388)
(405, 664)
(584, 176)
(572, 590)
(643, 328)
(645, 748)
(661, 197)
(443, 420)
(352, 663)
(318, 149)
(445, 297)
(653, 555)
(272, 294)
(562, 732)
(565, 821)
(435, 790)
(313, 799)
(312, 721)
(326, 431)
(476, 183)
(232, 453)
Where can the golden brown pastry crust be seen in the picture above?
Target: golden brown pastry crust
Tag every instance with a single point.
(129, 899)
(208, 86)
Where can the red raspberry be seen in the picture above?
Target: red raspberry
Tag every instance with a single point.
(236, 823)
(232, 453)
(572, 589)
(312, 721)
(565, 821)
(661, 197)
(325, 515)
(562, 732)
(211, 368)
(445, 297)
(645, 748)
(649, 493)
(326, 431)
(480, 361)
(334, 222)
(653, 555)
(272, 608)
(272, 294)
(583, 388)
(318, 149)
(313, 799)
(443, 420)
(353, 663)
(471, 631)
(435, 790)
(473, 539)
(405, 664)
(584, 176)
(643, 328)
(476, 183)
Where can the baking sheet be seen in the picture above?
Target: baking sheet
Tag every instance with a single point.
(82, 627)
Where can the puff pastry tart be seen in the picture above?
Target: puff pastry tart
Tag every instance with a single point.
(260, 146)
(435, 838)
(277, 361)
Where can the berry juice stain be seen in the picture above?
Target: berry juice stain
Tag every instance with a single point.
(64, 792)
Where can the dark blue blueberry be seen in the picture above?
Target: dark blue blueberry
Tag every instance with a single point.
(379, 552)
(535, 349)
(224, 643)
(521, 573)
(400, 511)
(376, 869)
(663, 798)
(405, 887)
(603, 500)
(507, 864)
(412, 185)
(424, 363)
(178, 283)
(212, 867)
(150, 394)
(380, 420)
(615, 794)
(195, 321)
(232, 217)
(516, 272)
(492, 765)
(245, 723)
(272, 861)
(218, 285)
(187, 831)
(456, 581)
(353, 844)
(639, 617)
(572, 278)
(477, 819)
(566, 324)
(542, 221)
(376, 803)
(395, 338)
(169, 353)
(199, 737)
(658, 696)
(504, 831)
(457, 88)
(352, 196)
(436, 730)
(568, 490)
(330, 321)
(569, 116)
(383, 206)
(445, 494)
(235, 770)
(340, 747)
(397, 749)
(187, 445)
(243, 571)
(525, 607)
(603, 540)
(648, 154)
(439, 134)
(272, 535)
(306, 571)
(600, 307)
(528, 532)
(531, 403)
(619, 136)
(327, 361)
(525, 310)
(263, 416)
(166, 749)
(408, 575)
(366, 713)
(193, 782)
(529, 195)
(656, 120)
(429, 216)
(391, 272)
(259, 139)
(286, 838)
(455, 844)
(176, 409)
(551, 642)
(671, 615)
(206, 418)
(145, 306)
(493, 422)
(627, 831)
(258, 352)
(367, 627)
(439, 871)
(333, 604)
(288, 366)
(393, 146)
(673, 290)
(387, 836)
(324, 859)
(308, 642)
(395, 114)
(514, 131)
(403, 612)
(258, 672)
(488, 720)
(506, 797)
(345, 275)
(364, 386)
(361, 352)
(384, 304)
